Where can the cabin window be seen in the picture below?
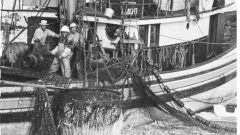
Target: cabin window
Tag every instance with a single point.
(154, 38)
(143, 32)
(110, 30)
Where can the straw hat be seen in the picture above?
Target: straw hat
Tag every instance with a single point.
(43, 22)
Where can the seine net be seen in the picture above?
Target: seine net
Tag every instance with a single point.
(75, 111)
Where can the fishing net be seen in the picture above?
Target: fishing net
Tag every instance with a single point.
(190, 118)
(81, 110)
(78, 111)
(74, 111)
(141, 85)
(42, 121)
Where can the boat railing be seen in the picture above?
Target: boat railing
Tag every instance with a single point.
(144, 10)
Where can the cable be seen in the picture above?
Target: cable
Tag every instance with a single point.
(45, 7)
(40, 10)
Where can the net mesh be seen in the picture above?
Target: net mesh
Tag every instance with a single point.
(191, 120)
(74, 111)
(42, 121)
(93, 108)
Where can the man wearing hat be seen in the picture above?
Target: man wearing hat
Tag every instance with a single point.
(76, 39)
(120, 49)
(63, 54)
(42, 33)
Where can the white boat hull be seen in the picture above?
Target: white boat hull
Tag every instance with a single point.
(223, 94)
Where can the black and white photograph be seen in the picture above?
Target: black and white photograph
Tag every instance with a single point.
(118, 67)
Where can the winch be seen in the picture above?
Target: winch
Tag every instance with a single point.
(38, 61)
(33, 61)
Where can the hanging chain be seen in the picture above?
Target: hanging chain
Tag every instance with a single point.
(191, 113)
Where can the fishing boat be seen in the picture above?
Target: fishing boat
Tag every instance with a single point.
(182, 41)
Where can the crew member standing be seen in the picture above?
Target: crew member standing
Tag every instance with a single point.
(63, 54)
(42, 33)
(120, 48)
(77, 40)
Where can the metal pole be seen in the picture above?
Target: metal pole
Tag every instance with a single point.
(85, 64)
(94, 35)
(1, 46)
(158, 8)
(95, 24)
(160, 5)
(122, 29)
(14, 5)
(31, 85)
(97, 80)
(142, 8)
(81, 14)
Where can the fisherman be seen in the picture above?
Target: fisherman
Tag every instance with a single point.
(42, 33)
(76, 39)
(63, 54)
(120, 49)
